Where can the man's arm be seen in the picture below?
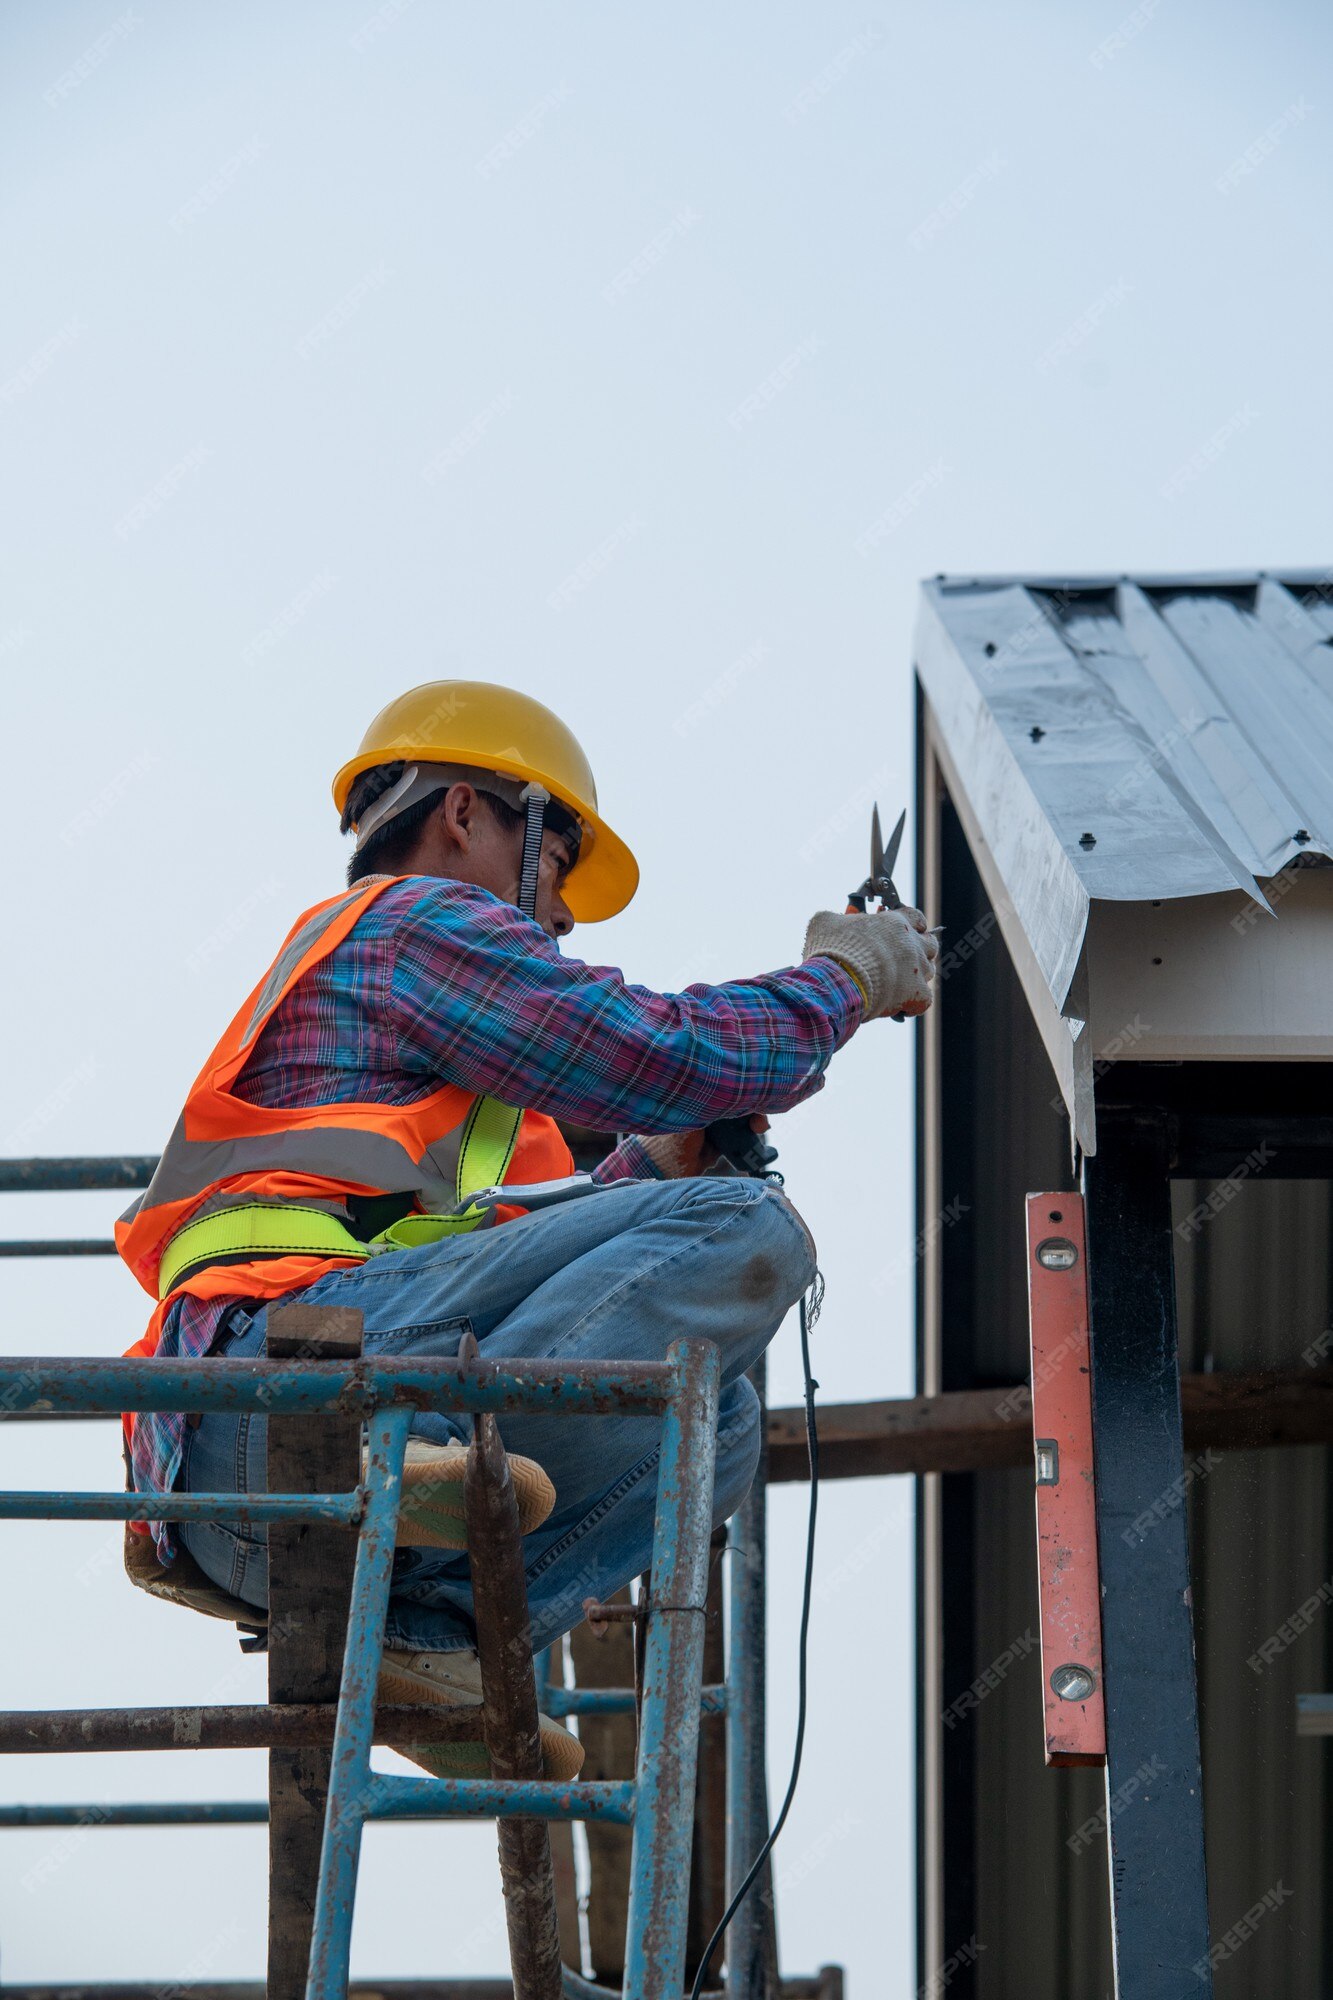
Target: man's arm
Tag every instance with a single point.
(483, 997)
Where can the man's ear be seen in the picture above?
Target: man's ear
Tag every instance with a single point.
(458, 810)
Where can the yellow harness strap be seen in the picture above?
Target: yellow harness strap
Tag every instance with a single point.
(253, 1230)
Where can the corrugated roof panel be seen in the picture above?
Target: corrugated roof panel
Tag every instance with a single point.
(1132, 740)
(1178, 734)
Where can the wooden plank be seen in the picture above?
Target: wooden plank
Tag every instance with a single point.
(974, 1430)
(310, 1583)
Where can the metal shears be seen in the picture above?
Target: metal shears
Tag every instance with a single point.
(879, 882)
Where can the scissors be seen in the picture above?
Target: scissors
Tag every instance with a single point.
(879, 882)
(749, 1152)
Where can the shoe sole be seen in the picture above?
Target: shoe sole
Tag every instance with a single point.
(432, 1514)
(562, 1754)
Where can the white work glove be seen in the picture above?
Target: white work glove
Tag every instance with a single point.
(890, 953)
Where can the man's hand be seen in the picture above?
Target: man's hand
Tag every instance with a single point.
(685, 1155)
(890, 953)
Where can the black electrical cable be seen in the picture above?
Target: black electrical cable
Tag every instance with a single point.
(808, 1318)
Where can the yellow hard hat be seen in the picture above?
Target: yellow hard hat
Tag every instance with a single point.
(496, 729)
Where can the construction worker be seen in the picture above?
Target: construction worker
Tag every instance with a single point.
(364, 1091)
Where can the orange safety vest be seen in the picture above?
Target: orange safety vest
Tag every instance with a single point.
(225, 1152)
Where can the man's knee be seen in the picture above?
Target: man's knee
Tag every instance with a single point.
(772, 1250)
(738, 1440)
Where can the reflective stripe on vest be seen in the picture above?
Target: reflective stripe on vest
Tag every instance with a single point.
(437, 1150)
(248, 1232)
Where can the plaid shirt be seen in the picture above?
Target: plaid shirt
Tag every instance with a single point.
(440, 981)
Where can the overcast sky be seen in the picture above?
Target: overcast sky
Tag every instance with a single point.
(643, 360)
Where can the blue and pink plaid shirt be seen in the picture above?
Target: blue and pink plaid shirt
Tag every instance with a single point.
(440, 981)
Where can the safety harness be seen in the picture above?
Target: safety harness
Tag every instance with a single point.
(255, 1231)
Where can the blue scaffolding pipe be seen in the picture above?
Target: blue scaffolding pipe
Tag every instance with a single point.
(558, 1701)
(313, 1388)
(658, 1804)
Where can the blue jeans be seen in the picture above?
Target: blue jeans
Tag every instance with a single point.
(617, 1275)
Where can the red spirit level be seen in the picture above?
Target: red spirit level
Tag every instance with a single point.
(1068, 1580)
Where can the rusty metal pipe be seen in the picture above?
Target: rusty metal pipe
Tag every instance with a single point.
(240, 1726)
(504, 1642)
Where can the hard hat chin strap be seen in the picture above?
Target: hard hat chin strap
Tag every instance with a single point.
(420, 781)
(536, 798)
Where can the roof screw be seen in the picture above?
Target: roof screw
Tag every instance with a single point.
(1087, 840)
(1036, 732)
(1302, 836)
(989, 649)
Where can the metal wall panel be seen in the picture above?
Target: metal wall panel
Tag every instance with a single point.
(1254, 1289)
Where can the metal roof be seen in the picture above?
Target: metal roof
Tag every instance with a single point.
(1173, 734)
(1117, 743)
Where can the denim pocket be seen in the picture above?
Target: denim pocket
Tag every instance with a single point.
(434, 1340)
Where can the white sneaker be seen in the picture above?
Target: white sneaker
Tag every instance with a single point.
(453, 1680)
(431, 1515)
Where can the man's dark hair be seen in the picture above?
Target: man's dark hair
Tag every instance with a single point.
(389, 846)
